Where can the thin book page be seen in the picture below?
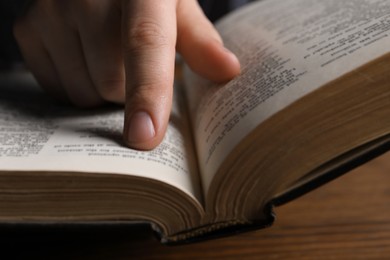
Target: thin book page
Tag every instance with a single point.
(287, 49)
(38, 135)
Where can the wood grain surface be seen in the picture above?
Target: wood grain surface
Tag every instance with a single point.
(348, 218)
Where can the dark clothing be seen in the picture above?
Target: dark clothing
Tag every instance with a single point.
(214, 9)
(10, 9)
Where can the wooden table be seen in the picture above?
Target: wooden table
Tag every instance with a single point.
(348, 218)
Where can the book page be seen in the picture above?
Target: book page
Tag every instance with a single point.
(287, 49)
(37, 134)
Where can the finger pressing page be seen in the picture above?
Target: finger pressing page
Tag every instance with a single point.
(38, 60)
(149, 39)
(201, 46)
(100, 33)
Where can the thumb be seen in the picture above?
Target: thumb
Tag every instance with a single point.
(201, 46)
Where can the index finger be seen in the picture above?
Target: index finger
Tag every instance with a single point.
(149, 39)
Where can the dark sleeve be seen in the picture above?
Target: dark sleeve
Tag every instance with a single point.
(214, 9)
(9, 11)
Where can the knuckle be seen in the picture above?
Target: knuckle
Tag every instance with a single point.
(146, 35)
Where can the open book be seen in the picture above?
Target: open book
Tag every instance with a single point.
(312, 101)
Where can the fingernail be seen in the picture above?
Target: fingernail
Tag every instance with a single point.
(141, 128)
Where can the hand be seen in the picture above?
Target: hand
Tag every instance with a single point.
(90, 52)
